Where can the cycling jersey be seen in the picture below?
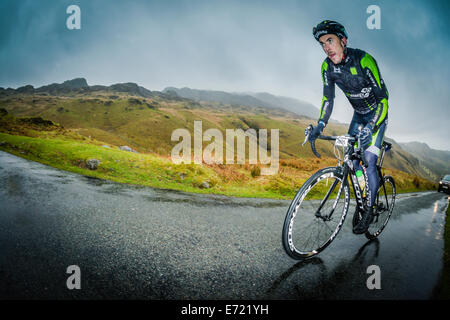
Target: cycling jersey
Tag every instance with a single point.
(359, 78)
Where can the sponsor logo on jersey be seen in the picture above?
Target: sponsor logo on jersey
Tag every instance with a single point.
(337, 70)
(365, 92)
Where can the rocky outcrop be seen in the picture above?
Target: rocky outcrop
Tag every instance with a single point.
(92, 164)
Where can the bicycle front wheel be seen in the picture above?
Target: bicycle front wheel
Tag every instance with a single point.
(384, 205)
(316, 214)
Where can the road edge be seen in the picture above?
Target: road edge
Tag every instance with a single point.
(442, 290)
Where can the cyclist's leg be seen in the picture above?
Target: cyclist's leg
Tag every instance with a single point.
(356, 121)
(372, 153)
(353, 131)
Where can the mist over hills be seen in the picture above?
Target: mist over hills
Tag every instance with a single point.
(437, 160)
(131, 114)
(217, 96)
(260, 99)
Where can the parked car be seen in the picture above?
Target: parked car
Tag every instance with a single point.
(444, 184)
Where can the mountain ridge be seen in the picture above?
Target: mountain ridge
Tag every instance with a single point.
(437, 160)
(80, 86)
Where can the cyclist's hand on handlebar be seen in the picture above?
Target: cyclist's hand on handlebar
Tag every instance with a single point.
(316, 131)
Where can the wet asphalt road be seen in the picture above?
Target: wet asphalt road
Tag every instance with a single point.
(141, 243)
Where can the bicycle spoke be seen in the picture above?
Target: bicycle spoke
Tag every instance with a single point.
(326, 224)
(308, 240)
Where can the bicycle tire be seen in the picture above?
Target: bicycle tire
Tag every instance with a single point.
(302, 209)
(384, 207)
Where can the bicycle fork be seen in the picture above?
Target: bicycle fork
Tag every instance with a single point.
(327, 217)
(330, 190)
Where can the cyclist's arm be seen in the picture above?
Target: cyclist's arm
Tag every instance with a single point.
(328, 95)
(370, 68)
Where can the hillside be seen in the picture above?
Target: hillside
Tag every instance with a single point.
(127, 114)
(47, 142)
(437, 160)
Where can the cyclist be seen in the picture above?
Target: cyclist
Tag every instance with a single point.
(356, 73)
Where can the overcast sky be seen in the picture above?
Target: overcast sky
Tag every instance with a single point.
(236, 46)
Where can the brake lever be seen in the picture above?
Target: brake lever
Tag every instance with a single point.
(307, 134)
(306, 140)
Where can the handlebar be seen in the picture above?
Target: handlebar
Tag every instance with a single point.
(308, 131)
(359, 150)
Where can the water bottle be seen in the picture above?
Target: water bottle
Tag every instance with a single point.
(361, 182)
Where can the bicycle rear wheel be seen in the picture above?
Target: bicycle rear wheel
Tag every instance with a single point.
(316, 214)
(384, 205)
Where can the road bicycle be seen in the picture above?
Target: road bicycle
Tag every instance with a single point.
(318, 210)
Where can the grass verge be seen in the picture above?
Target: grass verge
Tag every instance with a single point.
(443, 290)
(71, 153)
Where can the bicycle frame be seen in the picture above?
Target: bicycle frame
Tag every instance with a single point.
(348, 169)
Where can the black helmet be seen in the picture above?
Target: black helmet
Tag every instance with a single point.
(329, 27)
